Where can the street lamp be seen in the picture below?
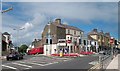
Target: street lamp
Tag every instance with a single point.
(18, 35)
(6, 10)
(111, 41)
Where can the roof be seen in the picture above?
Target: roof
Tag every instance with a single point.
(67, 27)
(6, 33)
(90, 38)
(93, 33)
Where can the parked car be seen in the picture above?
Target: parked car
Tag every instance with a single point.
(14, 56)
(37, 50)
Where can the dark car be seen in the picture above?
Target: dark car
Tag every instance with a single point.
(14, 56)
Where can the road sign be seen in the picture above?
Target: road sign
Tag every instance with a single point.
(111, 40)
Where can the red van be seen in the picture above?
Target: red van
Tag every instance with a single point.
(36, 50)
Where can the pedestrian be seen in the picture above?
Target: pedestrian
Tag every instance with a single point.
(65, 51)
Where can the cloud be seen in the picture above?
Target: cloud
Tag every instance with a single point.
(60, 0)
(34, 16)
(65, 23)
(27, 26)
(79, 11)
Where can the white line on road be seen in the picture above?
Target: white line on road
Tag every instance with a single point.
(9, 67)
(50, 63)
(32, 63)
(22, 65)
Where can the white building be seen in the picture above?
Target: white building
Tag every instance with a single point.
(60, 37)
(89, 44)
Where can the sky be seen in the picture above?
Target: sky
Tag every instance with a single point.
(33, 16)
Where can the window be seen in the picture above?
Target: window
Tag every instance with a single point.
(79, 41)
(74, 32)
(84, 41)
(61, 41)
(90, 42)
(80, 32)
(68, 47)
(71, 49)
(68, 31)
(8, 37)
(46, 41)
(50, 41)
(87, 42)
(95, 43)
(70, 38)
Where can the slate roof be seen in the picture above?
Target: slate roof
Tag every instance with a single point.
(67, 26)
(6, 33)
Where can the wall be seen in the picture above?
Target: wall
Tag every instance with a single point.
(50, 49)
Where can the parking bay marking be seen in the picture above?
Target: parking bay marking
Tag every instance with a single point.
(22, 65)
(9, 67)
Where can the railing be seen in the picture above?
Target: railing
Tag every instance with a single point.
(102, 63)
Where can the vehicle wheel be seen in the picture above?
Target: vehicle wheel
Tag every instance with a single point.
(18, 58)
(7, 59)
(21, 57)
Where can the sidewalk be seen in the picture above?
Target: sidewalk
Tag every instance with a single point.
(2, 57)
(114, 63)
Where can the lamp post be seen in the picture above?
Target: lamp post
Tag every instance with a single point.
(111, 42)
(1, 6)
(6, 10)
(18, 35)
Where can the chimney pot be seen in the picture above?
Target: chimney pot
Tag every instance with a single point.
(58, 21)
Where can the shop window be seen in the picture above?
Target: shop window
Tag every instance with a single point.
(71, 49)
(95, 43)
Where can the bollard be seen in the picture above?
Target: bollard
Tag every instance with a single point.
(61, 54)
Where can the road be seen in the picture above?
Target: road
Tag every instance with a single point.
(42, 62)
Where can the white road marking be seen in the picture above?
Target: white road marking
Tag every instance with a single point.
(27, 68)
(93, 62)
(33, 63)
(50, 63)
(22, 65)
(9, 67)
(66, 60)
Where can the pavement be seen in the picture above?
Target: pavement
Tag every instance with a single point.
(114, 64)
(2, 57)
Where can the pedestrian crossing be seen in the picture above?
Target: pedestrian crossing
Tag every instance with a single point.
(33, 62)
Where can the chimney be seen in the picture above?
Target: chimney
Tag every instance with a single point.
(58, 21)
(108, 34)
(95, 30)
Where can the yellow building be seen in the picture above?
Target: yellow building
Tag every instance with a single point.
(102, 38)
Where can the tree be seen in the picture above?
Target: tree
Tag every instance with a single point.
(23, 48)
